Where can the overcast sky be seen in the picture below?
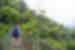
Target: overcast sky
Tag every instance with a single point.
(63, 11)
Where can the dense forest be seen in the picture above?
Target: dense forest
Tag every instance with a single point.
(48, 32)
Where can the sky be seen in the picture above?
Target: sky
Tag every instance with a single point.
(62, 11)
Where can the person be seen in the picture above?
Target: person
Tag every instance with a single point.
(16, 33)
(16, 38)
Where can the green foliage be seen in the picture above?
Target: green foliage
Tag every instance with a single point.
(69, 38)
(3, 30)
(12, 14)
(41, 26)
